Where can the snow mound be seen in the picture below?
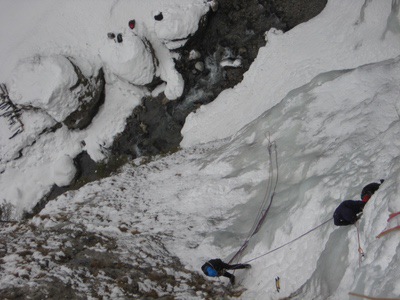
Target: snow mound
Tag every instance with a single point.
(63, 170)
(44, 83)
(131, 60)
(170, 28)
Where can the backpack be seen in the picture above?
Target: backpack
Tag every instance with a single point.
(209, 270)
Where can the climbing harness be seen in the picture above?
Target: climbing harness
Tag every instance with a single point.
(269, 195)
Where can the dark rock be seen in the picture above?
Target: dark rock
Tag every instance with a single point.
(238, 27)
(91, 97)
(199, 66)
(158, 17)
(150, 130)
(87, 171)
(293, 13)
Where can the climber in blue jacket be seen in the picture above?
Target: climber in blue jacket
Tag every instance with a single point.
(216, 267)
(349, 211)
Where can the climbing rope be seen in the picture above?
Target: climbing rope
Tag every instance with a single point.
(371, 298)
(273, 182)
(269, 195)
(284, 245)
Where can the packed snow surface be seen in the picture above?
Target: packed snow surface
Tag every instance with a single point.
(326, 94)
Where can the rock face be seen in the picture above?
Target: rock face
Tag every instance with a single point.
(44, 83)
(38, 89)
(91, 97)
(214, 59)
(150, 130)
(57, 87)
(293, 13)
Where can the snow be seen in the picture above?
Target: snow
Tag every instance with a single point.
(326, 93)
(194, 54)
(131, 54)
(231, 63)
(170, 28)
(64, 170)
(44, 83)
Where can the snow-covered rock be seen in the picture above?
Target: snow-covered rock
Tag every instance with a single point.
(64, 170)
(55, 86)
(131, 60)
(90, 93)
(44, 83)
(171, 30)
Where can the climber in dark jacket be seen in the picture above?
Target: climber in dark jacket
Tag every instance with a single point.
(349, 211)
(216, 267)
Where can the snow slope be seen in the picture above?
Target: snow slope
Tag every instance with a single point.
(332, 89)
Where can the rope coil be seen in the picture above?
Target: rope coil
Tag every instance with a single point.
(269, 194)
(264, 208)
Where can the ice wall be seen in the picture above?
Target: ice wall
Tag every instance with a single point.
(334, 135)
